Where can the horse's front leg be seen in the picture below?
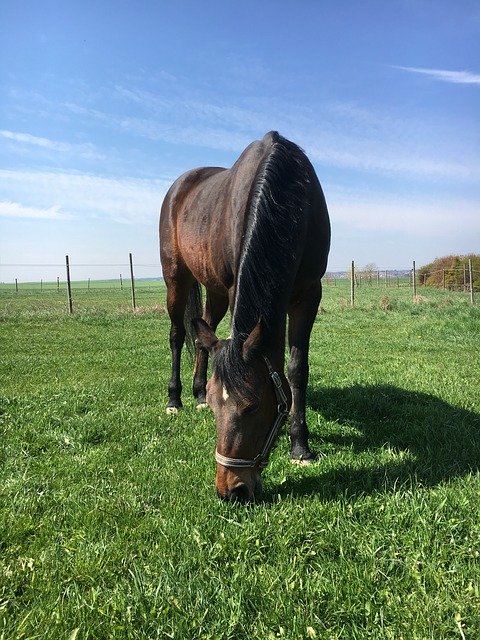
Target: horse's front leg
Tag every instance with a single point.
(301, 318)
(215, 308)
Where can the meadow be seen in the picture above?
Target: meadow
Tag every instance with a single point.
(109, 523)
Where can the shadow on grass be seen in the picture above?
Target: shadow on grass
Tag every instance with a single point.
(384, 437)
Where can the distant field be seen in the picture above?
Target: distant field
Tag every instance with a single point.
(93, 296)
(109, 524)
(107, 295)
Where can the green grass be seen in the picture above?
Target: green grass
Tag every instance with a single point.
(109, 523)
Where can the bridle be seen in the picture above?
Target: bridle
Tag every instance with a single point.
(261, 460)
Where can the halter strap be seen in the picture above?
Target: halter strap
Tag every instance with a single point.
(261, 460)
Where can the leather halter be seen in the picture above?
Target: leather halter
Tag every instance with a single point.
(261, 460)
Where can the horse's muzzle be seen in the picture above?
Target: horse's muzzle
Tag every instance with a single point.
(242, 493)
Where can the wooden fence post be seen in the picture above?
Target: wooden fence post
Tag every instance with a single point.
(16, 285)
(134, 304)
(352, 284)
(69, 286)
(414, 281)
(470, 273)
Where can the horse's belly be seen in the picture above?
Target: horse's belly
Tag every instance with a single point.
(208, 266)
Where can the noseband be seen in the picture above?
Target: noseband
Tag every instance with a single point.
(261, 460)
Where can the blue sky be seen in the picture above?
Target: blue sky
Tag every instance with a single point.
(103, 104)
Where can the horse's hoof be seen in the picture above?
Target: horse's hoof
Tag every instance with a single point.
(305, 460)
(302, 462)
(172, 410)
(201, 406)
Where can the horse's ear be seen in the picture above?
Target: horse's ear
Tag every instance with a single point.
(252, 345)
(205, 337)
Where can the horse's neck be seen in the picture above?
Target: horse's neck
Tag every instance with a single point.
(275, 352)
(273, 341)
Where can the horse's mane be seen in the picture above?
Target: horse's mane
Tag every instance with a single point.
(274, 228)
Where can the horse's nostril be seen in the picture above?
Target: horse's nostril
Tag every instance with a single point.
(240, 494)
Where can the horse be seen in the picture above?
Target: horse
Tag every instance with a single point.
(257, 237)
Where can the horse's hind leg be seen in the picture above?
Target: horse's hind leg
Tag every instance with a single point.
(301, 318)
(215, 308)
(177, 296)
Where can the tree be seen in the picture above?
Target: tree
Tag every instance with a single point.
(450, 272)
(369, 272)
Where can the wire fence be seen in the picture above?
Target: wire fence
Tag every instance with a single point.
(138, 285)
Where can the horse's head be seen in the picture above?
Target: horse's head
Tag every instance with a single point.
(249, 401)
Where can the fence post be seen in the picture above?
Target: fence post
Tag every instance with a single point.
(58, 284)
(414, 281)
(470, 273)
(134, 304)
(121, 283)
(16, 285)
(69, 286)
(352, 284)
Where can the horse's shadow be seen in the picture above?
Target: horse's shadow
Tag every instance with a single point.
(391, 437)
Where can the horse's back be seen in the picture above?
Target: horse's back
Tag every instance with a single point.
(206, 212)
(203, 218)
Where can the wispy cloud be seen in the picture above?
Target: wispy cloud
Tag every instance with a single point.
(454, 77)
(87, 150)
(357, 136)
(382, 212)
(345, 136)
(46, 194)
(26, 138)
(17, 210)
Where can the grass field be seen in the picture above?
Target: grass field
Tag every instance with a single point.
(109, 523)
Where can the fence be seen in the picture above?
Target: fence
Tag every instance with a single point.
(405, 278)
(74, 286)
(130, 287)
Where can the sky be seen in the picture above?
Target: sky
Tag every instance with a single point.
(103, 104)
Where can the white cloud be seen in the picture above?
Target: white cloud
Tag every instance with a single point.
(344, 135)
(17, 210)
(87, 150)
(386, 214)
(128, 201)
(28, 139)
(454, 77)
(393, 142)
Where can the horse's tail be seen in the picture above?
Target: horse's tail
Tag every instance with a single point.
(194, 309)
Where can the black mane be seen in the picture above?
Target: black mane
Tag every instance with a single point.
(275, 226)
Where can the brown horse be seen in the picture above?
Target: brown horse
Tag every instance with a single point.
(257, 237)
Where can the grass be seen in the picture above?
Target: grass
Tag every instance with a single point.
(109, 525)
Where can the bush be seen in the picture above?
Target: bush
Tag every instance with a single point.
(451, 272)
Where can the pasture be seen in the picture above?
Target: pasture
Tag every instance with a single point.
(109, 523)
